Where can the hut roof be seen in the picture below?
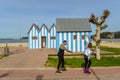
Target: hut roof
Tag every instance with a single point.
(72, 24)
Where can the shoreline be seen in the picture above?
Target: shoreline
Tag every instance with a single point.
(115, 44)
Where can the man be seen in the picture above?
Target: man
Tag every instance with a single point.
(61, 57)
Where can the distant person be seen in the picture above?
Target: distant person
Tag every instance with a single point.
(87, 59)
(61, 57)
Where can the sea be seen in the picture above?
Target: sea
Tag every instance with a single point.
(109, 40)
(13, 40)
(26, 40)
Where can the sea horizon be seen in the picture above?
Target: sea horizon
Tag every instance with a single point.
(10, 40)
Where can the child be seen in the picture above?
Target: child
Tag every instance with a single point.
(87, 59)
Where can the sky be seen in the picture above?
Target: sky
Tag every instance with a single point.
(17, 16)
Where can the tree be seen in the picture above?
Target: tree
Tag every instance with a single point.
(117, 34)
(99, 27)
(106, 35)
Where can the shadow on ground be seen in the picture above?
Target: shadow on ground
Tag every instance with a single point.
(95, 74)
(4, 75)
(39, 77)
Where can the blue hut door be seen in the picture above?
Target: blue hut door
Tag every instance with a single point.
(43, 42)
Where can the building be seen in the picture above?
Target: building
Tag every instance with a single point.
(76, 31)
(41, 37)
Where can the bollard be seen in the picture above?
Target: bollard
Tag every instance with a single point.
(6, 50)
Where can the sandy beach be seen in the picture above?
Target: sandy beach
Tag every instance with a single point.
(103, 43)
(109, 44)
(14, 44)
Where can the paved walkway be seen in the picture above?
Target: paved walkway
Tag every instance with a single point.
(26, 58)
(109, 73)
(27, 64)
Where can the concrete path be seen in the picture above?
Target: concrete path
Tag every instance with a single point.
(104, 73)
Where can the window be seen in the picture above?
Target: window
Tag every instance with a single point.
(34, 37)
(83, 37)
(53, 37)
(75, 36)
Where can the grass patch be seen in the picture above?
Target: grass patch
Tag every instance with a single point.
(106, 62)
(110, 49)
(3, 55)
(114, 51)
(77, 62)
(55, 55)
